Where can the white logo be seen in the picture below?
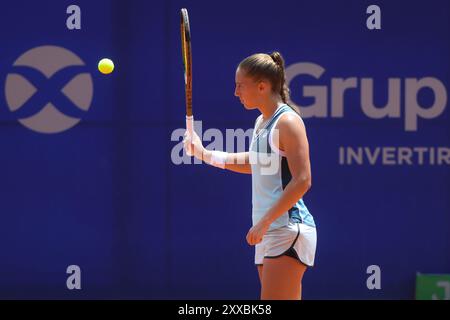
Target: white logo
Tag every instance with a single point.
(232, 141)
(413, 110)
(48, 89)
(446, 286)
(374, 281)
(374, 21)
(74, 280)
(73, 22)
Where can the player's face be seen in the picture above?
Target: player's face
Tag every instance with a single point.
(247, 90)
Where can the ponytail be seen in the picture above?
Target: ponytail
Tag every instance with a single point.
(284, 89)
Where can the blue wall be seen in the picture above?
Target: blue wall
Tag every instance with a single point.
(105, 195)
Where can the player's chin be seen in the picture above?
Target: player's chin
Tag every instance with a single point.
(247, 106)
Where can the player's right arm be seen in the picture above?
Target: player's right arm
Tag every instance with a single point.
(237, 162)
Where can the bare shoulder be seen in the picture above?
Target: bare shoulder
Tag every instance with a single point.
(290, 123)
(290, 132)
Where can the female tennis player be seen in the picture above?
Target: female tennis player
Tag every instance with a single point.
(283, 231)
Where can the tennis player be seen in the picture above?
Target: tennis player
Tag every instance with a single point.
(283, 231)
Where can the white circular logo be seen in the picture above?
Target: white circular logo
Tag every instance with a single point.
(48, 89)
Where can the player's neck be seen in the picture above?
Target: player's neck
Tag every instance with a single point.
(269, 108)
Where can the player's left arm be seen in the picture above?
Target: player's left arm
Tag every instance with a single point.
(294, 142)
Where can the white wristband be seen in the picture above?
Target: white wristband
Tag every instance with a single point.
(218, 159)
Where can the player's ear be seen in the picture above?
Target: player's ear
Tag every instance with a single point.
(262, 86)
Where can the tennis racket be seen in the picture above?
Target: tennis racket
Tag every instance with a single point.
(187, 63)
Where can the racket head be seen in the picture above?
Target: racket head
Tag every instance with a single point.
(187, 58)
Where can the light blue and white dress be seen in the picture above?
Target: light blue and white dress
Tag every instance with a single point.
(294, 232)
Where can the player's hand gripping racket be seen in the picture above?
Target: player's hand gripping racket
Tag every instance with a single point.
(187, 63)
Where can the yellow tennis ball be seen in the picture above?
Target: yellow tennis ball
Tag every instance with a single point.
(105, 66)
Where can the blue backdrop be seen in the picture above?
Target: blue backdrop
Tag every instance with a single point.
(105, 194)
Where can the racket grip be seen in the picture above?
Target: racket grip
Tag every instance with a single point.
(190, 124)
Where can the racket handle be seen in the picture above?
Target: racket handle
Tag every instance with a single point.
(190, 124)
(189, 128)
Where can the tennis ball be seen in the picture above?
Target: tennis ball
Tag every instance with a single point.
(105, 66)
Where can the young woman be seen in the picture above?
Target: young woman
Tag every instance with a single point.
(283, 231)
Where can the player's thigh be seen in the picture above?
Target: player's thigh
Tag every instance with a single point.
(260, 271)
(281, 278)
